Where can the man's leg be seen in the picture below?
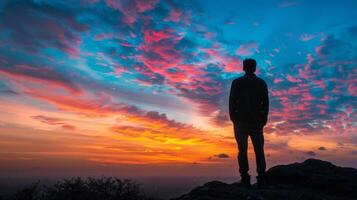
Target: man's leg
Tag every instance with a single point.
(257, 138)
(242, 141)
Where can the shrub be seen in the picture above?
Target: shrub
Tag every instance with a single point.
(105, 188)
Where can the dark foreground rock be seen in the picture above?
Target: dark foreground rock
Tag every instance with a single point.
(310, 180)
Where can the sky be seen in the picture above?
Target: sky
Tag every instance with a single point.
(140, 88)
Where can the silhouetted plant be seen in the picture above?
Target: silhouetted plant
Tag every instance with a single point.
(30, 192)
(105, 188)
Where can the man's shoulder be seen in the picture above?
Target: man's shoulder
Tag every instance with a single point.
(240, 78)
(245, 78)
(236, 79)
(261, 80)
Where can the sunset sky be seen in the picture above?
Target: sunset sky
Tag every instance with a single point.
(138, 88)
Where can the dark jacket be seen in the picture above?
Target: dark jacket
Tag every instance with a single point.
(249, 100)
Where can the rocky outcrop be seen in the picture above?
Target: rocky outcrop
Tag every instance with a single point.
(310, 180)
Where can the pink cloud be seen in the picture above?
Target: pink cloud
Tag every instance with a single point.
(352, 89)
(175, 15)
(319, 52)
(248, 49)
(34, 74)
(277, 80)
(146, 5)
(292, 79)
(151, 36)
(54, 121)
(307, 37)
(228, 63)
(132, 9)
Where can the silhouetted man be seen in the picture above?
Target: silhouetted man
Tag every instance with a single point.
(248, 110)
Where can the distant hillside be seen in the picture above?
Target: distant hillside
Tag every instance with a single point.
(310, 180)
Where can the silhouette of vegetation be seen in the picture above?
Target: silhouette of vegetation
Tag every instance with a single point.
(105, 188)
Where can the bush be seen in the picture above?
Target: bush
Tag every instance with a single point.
(30, 192)
(105, 188)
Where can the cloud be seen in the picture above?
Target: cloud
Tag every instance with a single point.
(334, 47)
(248, 49)
(40, 25)
(8, 91)
(175, 15)
(149, 124)
(306, 37)
(229, 22)
(286, 3)
(140, 53)
(54, 121)
(48, 120)
(221, 155)
(292, 79)
(131, 9)
(322, 148)
(162, 118)
(169, 56)
(340, 144)
(160, 52)
(145, 73)
(218, 156)
(311, 153)
(69, 127)
(303, 104)
(38, 74)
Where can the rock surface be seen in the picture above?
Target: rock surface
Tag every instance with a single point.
(310, 180)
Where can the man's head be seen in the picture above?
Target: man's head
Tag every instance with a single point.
(249, 65)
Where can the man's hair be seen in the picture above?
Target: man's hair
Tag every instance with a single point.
(249, 65)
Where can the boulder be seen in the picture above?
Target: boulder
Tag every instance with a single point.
(310, 180)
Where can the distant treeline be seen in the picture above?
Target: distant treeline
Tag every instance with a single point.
(105, 188)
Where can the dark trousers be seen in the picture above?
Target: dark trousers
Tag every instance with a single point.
(241, 133)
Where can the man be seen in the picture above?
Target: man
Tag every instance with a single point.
(248, 110)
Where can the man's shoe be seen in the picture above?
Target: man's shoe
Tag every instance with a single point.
(245, 181)
(261, 181)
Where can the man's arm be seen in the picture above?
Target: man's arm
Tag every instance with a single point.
(232, 97)
(265, 103)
